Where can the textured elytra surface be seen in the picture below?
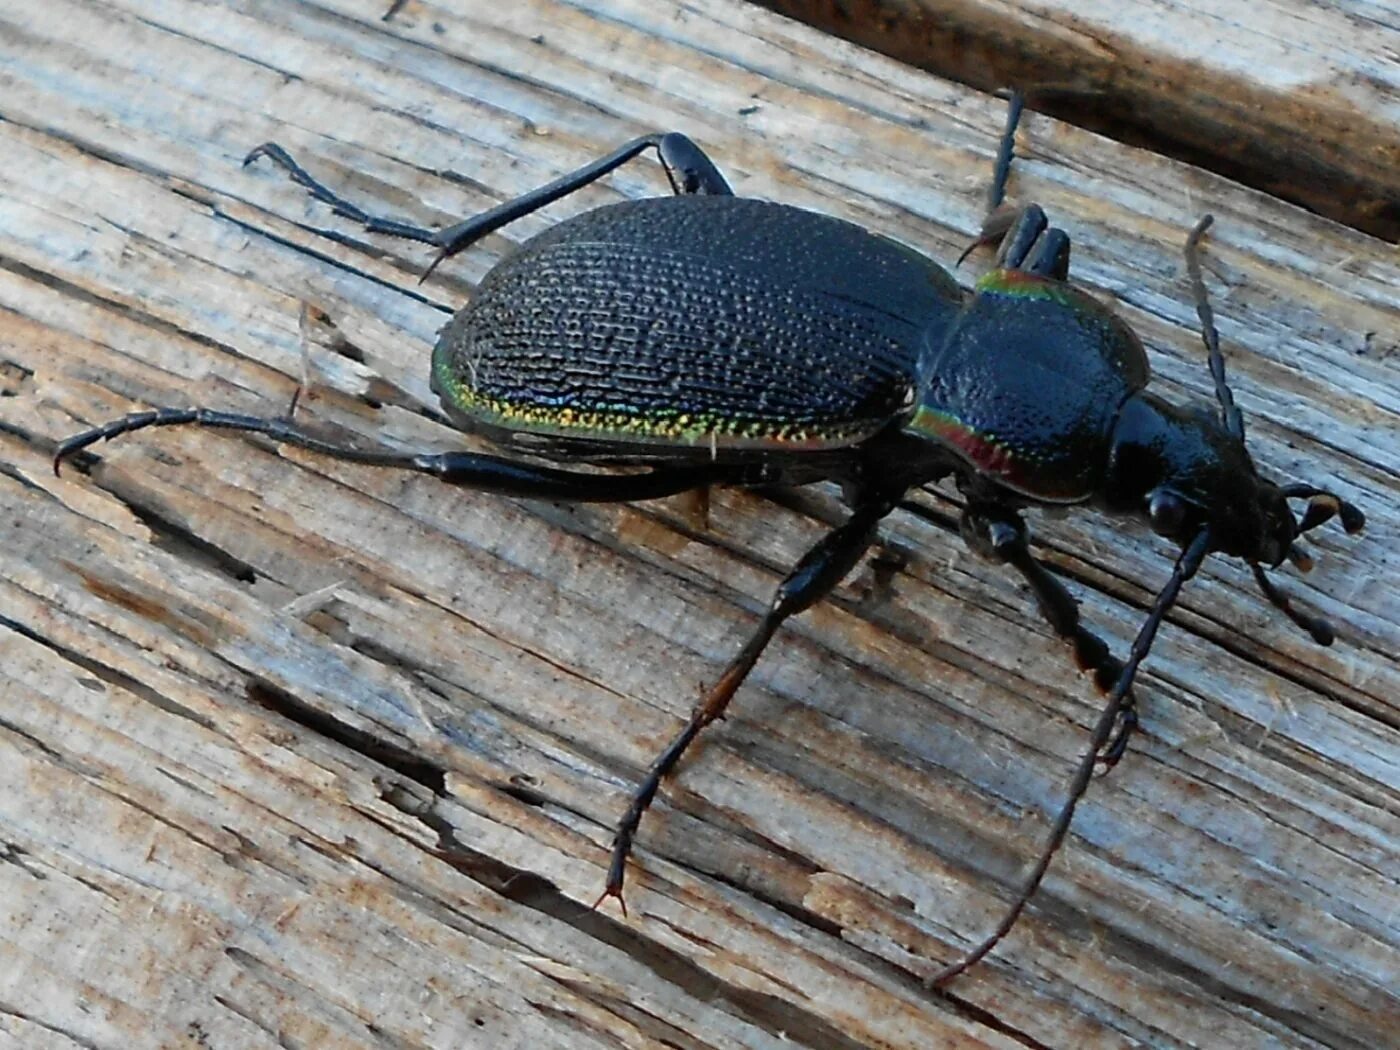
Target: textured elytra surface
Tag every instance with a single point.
(697, 319)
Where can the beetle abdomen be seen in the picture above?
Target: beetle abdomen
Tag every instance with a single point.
(1028, 383)
(719, 322)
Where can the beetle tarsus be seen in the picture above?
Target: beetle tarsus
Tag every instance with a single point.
(1117, 745)
(342, 207)
(611, 891)
(159, 417)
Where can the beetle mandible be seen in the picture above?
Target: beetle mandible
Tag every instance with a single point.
(704, 339)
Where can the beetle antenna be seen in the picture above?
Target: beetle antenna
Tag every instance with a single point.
(1006, 151)
(996, 220)
(1186, 566)
(1320, 630)
(1229, 412)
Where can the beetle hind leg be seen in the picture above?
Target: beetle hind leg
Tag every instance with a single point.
(688, 169)
(821, 569)
(474, 470)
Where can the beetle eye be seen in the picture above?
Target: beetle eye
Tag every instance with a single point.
(1165, 512)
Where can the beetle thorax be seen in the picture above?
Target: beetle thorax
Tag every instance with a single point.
(1026, 385)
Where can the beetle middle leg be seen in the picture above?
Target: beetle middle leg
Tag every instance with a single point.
(1000, 535)
(819, 570)
(688, 169)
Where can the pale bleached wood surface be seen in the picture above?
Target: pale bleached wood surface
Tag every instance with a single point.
(298, 754)
(1300, 98)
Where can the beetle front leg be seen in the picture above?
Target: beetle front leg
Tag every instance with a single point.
(821, 569)
(1000, 535)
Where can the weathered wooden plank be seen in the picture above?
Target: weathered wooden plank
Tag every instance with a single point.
(296, 753)
(1297, 97)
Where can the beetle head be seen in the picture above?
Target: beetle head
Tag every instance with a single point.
(1183, 471)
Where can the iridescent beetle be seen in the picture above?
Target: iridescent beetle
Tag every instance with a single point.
(706, 339)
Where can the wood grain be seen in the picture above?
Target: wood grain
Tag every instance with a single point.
(1300, 98)
(294, 753)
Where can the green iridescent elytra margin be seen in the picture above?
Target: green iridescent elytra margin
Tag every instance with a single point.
(988, 454)
(1018, 284)
(619, 424)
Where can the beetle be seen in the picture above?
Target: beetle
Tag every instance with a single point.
(706, 338)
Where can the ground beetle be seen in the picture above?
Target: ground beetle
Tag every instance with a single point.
(709, 339)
